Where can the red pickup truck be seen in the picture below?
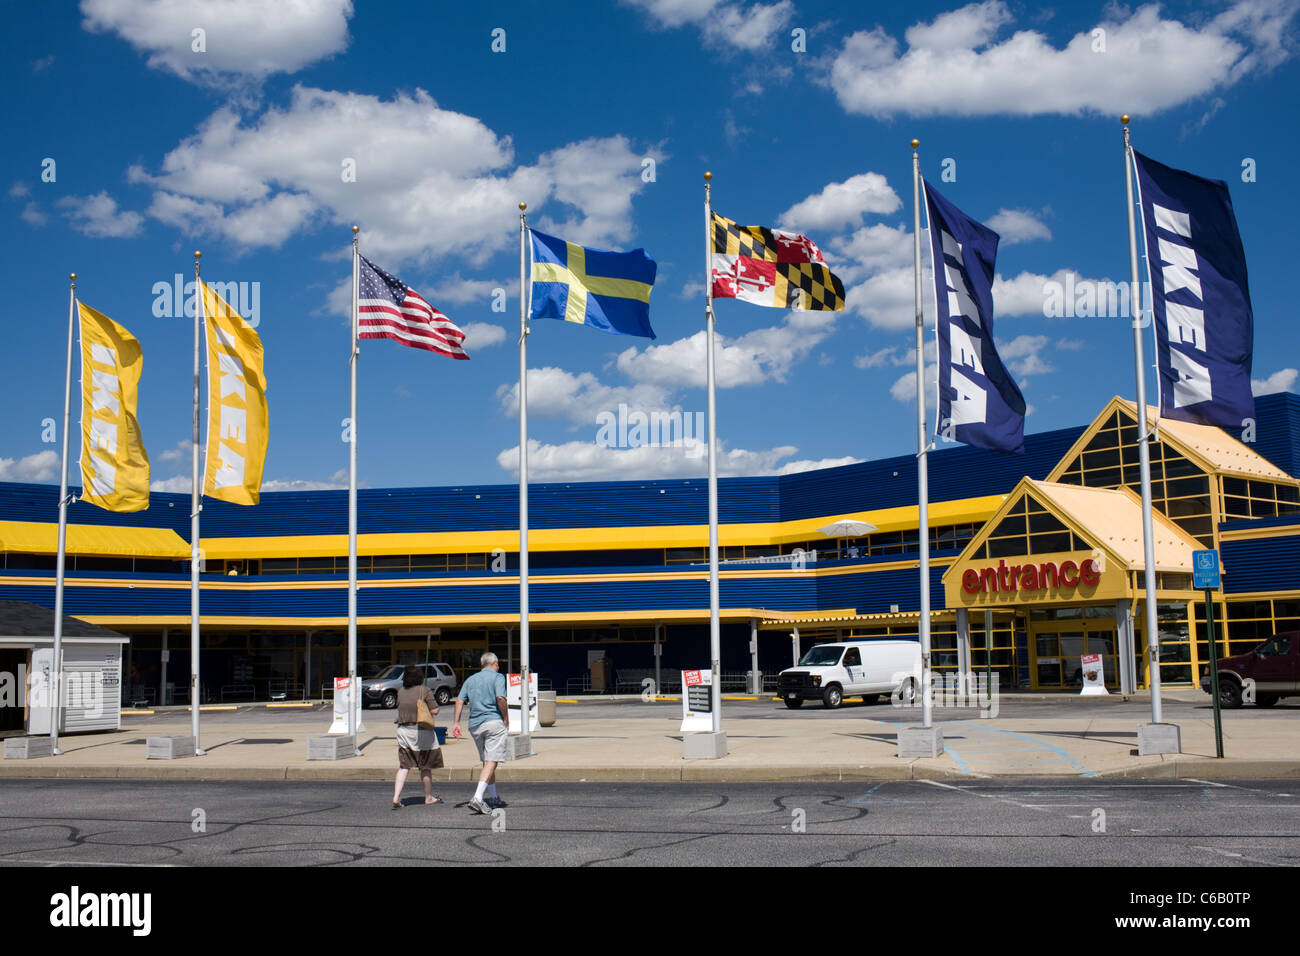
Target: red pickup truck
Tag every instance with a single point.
(1268, 673)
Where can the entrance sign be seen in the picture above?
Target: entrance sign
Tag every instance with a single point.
(342, 704)
(697, 700)
(1205, 570)
(513, 702)
(1094, 677)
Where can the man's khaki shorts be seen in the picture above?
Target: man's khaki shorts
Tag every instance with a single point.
(490, 738)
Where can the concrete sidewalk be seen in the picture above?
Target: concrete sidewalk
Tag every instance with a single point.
(624, 749)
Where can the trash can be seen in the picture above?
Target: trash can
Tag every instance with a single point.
(441, 733)
(546, 708)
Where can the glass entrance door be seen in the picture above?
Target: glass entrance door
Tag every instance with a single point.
(1059, 645)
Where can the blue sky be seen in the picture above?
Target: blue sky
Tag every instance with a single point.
(240, 149)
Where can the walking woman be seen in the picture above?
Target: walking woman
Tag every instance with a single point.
(417, 747)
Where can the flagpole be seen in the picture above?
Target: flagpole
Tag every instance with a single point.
(1144, 455)
(57, 666)
(195, 508)
(715, 627)
(354, 692)
(525, 709)
(922, 456)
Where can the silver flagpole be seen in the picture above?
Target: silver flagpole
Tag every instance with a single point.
(525, 708)
(1144, 454)
(57, 666)
(196, 506)
(922, 457)
(715, 626)
(354, 692)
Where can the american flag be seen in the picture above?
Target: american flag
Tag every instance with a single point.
(390, 309)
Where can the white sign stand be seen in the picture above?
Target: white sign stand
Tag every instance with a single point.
(342, 702)
(1094, 677)
(697, 700)
(513, 703)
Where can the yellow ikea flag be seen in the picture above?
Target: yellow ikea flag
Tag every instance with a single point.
(114, 464)
(238, 425)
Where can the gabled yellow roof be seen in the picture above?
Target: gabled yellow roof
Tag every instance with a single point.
(1213, 446)
(38, 537)
(1112, 518)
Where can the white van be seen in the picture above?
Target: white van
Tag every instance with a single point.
(831, 672)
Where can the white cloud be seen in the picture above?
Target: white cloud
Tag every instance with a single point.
(337, 481)
(43, 64)
(33, 216)
(242, 38)
(458, 291)
(482, 335)
(41, 467)
(428, 181)
(1280, 381)
(904, 389)
(598, 177)
(19, 191)
(97, 216)
(1023, 355)
(875, 359)
(842, 204)
(753, 358)
(953, 66)
(869, 250)
(179, 485)
(1018, 225)
(733, 24)
(555, 393)
(587, 461)
(887, 300)
(183, 451)
(1071, 345)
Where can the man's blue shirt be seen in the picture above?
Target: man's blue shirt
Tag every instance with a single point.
(482, 691)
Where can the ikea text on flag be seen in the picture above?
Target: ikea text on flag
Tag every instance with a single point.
(237, 414)
(1200, 299)
(771, 267)
(979, 402)
(609, 291)
(114, 463)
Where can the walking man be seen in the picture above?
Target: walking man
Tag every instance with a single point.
(489, 724)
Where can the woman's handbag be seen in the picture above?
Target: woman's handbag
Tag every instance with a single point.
(424, 716)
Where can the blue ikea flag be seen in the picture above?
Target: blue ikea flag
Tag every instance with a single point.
(979, 402)
(1200, 300)
(609, 291)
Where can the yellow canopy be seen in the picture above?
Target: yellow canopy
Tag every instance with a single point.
(38, 537)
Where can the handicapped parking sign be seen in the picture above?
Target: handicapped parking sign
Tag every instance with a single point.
(1205, 570)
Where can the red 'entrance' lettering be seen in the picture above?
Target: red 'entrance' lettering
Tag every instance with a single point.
(1031, 577)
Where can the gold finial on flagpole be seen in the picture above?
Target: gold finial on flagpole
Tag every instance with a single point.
(916, 143)
(707, 176)
(72, 276)
(197, 254)
(523, 206)
(1124, 119)
(355, 230)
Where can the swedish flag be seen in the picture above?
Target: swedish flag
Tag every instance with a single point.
(609, 291)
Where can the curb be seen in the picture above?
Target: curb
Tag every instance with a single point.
(693, 772)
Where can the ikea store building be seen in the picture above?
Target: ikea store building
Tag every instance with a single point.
(1049, 542)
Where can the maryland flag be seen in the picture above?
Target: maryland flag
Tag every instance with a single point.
(114, 464)
(237, 415)
(772, 267)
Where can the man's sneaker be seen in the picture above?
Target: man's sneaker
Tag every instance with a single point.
(478, 806)
(496, 803)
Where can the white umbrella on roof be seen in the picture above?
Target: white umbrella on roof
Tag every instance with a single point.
(847, 529)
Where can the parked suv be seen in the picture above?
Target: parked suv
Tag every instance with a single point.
(1274, 667)
(866, 669)
(383, 687)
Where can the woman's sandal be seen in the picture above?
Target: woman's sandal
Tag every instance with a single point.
(397, 806)
(428, 801)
